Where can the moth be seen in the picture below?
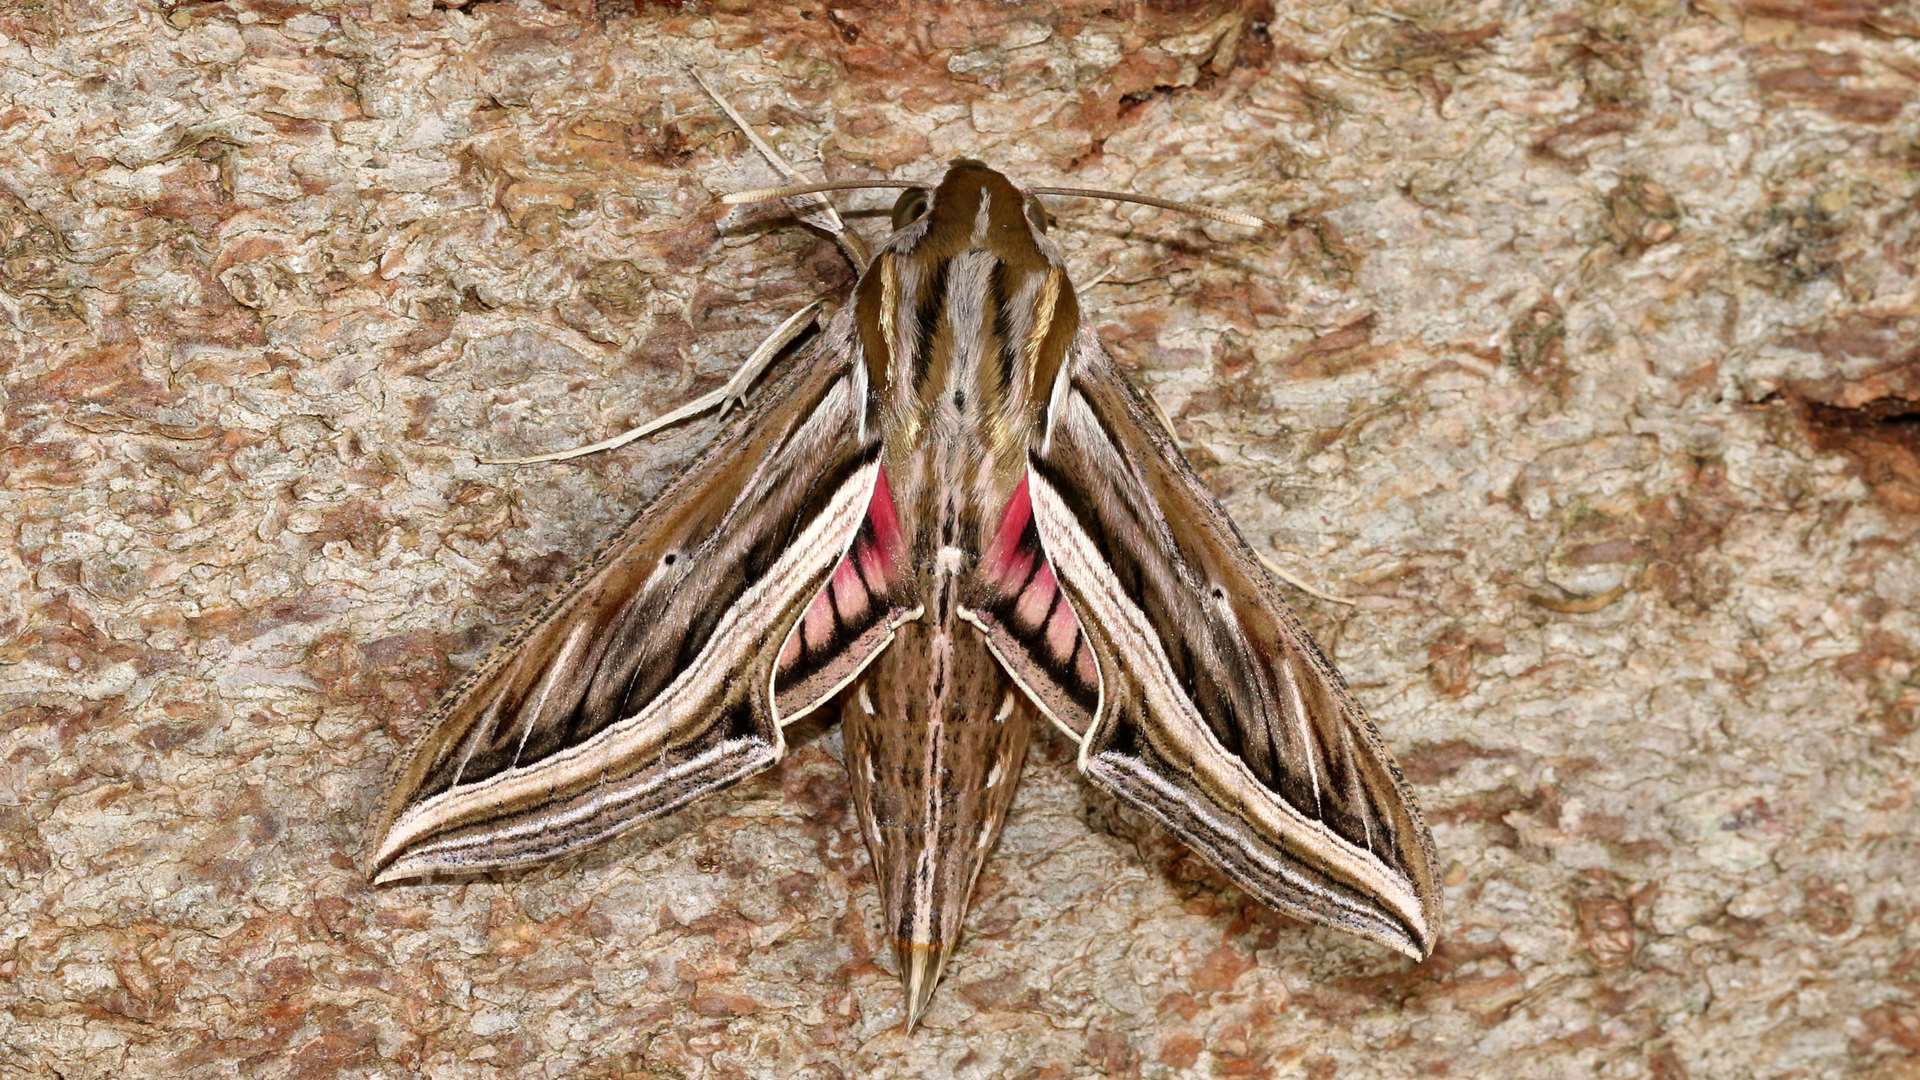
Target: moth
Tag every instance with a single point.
(948, 516)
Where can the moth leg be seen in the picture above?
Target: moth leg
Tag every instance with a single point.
(815, 210)
(723, 397)
(735, 390)
(1275, 569)
(1101, 278)
(1160, 414)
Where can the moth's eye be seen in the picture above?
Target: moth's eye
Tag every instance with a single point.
(909, 206)
(1037, 216)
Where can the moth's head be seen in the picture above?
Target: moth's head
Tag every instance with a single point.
(975, 206)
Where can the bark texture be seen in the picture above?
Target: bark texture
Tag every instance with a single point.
(1583, 353)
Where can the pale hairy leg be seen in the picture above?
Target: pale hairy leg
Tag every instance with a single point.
(722, 397)
(816, 211)
(1276, 570)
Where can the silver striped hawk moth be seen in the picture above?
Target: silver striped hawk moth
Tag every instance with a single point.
(949, 517)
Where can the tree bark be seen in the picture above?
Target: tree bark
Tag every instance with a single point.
(1582, 353)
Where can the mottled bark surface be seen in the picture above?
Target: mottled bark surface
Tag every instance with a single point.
(1583, 354)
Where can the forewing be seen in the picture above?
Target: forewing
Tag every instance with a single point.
(649, 678)
(1218, 714)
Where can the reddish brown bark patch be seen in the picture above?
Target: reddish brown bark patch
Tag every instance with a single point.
(1874, 419)
(1834, 83)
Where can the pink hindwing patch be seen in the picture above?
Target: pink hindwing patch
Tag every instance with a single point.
(1027, 604)
(855, 597)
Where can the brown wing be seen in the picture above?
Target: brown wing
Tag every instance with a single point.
(1217, 713)
(654, 675)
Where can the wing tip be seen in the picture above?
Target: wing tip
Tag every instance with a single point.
(381, 866)
(1418, 949)
(1419, 936)
(390, 855)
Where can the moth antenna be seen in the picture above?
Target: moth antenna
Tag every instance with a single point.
(1211, 213)
(822, 214)
(790, 190)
